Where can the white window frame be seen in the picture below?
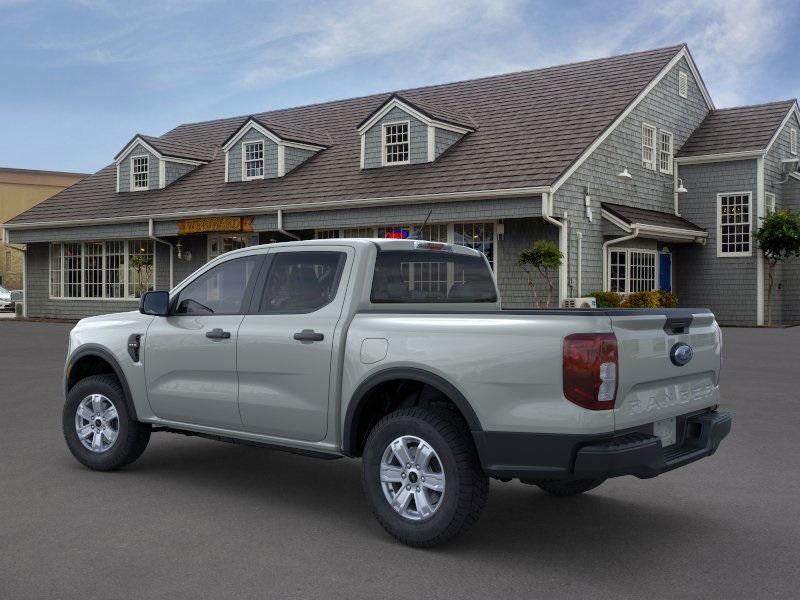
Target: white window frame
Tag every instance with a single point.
(384, 148)
(650, 164)
(769, 202)
(665, 156)
(628, 252)
(133, 159)
(683, 84)
(341, 232)
(263, 160)
(720, 253)
(83, 297)
(793, 141)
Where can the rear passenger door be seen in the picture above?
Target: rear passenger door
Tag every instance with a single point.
(286, 341)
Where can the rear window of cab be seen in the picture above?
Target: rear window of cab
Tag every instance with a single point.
(424, 276)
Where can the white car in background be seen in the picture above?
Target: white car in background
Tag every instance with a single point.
(5, 299)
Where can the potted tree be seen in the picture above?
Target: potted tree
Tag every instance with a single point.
(539, 261)
(779, 240)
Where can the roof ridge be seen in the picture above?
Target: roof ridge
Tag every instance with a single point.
(772, 103)
(676, 48)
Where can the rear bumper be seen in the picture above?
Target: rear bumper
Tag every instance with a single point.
(634, 452)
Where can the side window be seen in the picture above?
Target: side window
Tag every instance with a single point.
(301, 282)
(219, 291)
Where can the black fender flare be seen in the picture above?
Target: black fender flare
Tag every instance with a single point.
(104, 354)
(358, 401)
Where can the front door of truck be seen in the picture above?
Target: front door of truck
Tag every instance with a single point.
(285, 344)
(190, 356)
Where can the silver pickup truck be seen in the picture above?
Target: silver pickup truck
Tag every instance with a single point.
(396, 351)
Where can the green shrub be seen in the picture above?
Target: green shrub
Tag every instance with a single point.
(643, 300)
(667, 299)
(607, 299)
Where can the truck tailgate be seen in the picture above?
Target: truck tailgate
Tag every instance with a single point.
(651, 386)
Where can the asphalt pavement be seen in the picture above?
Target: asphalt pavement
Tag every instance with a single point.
(200, 519)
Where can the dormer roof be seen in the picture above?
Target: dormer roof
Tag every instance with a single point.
(430, 113)
(168, 149)
(280, 132)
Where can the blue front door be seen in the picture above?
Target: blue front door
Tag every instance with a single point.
(665, 272)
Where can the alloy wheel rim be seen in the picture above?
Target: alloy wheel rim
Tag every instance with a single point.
(97, 423)
(412, 478)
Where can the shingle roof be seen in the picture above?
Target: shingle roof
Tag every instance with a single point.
(435, 112)
(175, 148)
(632, 215)
(287, 132)
(737, 129)
(530, 127)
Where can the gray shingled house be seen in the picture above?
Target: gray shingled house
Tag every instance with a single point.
(623, 161)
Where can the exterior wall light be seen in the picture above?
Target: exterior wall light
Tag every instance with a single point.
(624, 175)
(680, 189)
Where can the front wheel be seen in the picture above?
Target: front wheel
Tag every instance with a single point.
(422, 476)
(98, 429)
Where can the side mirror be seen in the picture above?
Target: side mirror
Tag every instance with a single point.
(154, 303)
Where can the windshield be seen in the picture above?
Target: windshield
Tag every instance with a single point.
(405, 276)
(3, 290)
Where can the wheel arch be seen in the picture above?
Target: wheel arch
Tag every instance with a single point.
(362, 396)
(94, 360)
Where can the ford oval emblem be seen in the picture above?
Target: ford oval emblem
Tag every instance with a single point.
(681, 354)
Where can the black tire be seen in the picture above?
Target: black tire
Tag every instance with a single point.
(466, 486)
(568, 487)
(132, 437)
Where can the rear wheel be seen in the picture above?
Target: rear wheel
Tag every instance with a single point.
(568, 487)
(422, 476)
(98, 429)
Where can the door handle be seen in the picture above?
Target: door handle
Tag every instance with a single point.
(308, 335)
(218, 334)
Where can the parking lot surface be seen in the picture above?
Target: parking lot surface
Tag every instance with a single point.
(200, 519)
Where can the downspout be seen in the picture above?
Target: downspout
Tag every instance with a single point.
(675, 187)
(618, 240)
(547, 211)
(152, 236)
(282, 230)
(580, 261)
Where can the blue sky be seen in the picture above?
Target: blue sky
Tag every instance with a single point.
(80, 77)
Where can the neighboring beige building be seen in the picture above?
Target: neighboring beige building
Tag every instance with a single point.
(21, 189)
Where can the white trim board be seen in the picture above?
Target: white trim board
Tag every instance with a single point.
(681, 54)
(138, 140)
(658, 232)
(252, 124)
(397, 103)
(794, 110)
(721, 157)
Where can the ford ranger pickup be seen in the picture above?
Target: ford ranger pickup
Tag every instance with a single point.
(397, 352)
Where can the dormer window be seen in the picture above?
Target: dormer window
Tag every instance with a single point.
(396, 148)
(140, 168)
(253, 160)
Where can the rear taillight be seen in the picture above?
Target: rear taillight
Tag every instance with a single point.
(590, 370)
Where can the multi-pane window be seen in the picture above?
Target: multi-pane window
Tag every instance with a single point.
(55, 270)
(479, 236)
(793, 140)
(139, 172)
(683, 84)
(119, 269)
(632, 271)
(665, 151)
(115, 269)
(733, 224)
(253, 158)
(769, 199)
(648, 146)
(358, 232)
(396, 143)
